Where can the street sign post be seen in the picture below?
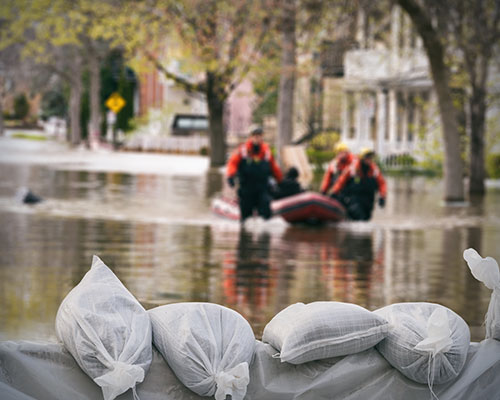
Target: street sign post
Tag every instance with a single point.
(115, 103)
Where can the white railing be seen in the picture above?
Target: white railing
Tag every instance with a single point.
(167, 144)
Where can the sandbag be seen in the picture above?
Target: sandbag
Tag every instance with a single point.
(106, 330)
(486, 270)
(323, 329)
(209, 347)
(426, 342)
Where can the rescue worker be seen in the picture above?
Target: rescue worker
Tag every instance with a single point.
(253, 164)
(357, 185)
(289, 186)
(335, 168)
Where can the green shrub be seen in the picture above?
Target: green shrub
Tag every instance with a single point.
(53, 104)
(21, 106)
(319, 157)
(324, 141)
(320, 149)
(493, 165)
(28, 136)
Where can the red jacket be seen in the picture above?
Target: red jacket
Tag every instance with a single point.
(355, 170)
(336, 166)
(244, 151)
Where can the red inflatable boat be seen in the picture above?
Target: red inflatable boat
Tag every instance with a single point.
(226, 207)
(307, 207)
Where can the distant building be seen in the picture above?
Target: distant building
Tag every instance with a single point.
(162, 99)
(387, 99)
(168, 102)
(376, 90)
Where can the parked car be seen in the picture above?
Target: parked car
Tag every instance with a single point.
(189, 124)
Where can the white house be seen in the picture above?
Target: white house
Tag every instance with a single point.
(388, 101)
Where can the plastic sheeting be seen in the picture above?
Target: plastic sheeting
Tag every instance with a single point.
(486, 270)
(46, 371)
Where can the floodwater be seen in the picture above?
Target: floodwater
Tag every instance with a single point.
(157, 233)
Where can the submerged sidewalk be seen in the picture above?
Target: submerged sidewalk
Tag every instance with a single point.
(61, 156)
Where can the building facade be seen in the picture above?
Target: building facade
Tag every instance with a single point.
(387, 99)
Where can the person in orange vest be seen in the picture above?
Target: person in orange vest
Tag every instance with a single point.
(343, 159)
(358, 185)
(253, 164)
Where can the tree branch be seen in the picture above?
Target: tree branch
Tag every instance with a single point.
(189, 86)
(246, 68)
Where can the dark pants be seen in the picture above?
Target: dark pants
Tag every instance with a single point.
(254, 200)
(359, 197)
(359, 208)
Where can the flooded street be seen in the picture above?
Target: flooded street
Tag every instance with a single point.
(157, 233)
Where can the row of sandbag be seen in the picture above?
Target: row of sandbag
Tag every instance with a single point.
(209, 347)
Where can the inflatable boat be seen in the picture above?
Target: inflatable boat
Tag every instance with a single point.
(307, 207)
(226, 207)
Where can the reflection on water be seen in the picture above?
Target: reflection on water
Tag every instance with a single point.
(158, 235)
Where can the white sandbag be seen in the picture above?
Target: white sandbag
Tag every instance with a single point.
(106, 330)
(426, 342)
(209, 347)
(323, 329)
(486, 270)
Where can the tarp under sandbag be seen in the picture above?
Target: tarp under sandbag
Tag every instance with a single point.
(46, 371)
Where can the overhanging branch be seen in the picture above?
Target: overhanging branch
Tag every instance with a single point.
(189, 86)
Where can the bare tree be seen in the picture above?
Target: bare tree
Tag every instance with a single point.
(462, 34)
(61, 37)
(287, 77)
(9, 75)
(436, 53)
(222, 38)
(475, 25)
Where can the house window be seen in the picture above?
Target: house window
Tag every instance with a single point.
(372, 112)
(387, 115)
(411, 117)
(422, 104)
(401, 32)
(413, 37)
(400, 115)
(351, 115)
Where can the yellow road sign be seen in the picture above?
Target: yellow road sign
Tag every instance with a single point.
(115, 102)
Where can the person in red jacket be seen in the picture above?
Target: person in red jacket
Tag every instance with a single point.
(253, 164)
(343, 159)
(358, 184)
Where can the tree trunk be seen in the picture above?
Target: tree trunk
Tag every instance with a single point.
(75, 99)
(477, 129)
(453, 165)
(216, 97)
(95, 98)
(287, 78)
